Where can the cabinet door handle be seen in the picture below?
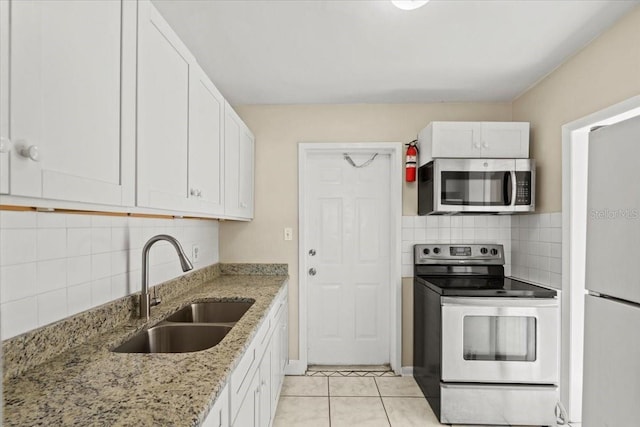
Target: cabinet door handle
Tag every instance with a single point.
(31, 152)
(476, 145)
(485, 145)
(312, 271)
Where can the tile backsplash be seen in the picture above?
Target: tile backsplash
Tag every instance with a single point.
(536, 248)
(54, 265)
(454, 229)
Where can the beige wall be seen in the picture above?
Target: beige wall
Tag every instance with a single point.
(606, 72)
(278, 129)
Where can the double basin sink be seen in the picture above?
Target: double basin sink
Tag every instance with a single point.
(196, 327)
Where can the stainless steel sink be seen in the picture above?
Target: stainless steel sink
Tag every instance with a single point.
(226, 312)
(174, 338)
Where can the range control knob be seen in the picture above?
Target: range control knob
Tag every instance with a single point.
(436, 250)
(425, 251)
(494, 251)
(483, 251)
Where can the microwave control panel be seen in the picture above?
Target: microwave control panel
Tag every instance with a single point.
(523, 188)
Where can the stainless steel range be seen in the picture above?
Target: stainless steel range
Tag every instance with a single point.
(486, 348)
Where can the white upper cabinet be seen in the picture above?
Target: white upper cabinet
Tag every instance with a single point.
(239, 167)
(70, 69)
(206, 145)
(163, 113)
(473, 140)
(5, 145)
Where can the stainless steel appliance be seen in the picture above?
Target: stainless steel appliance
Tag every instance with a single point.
(485, 346)
(611, 389)
(476, 185)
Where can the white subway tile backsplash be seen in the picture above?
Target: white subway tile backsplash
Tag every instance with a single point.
(556, 235)
(100, 240)
(444, 221)
(18, 246)
(52, 306)
(555, 265)
(17, 281)
(101, 221)
(78, 241)
(119, 262)
(408, 222)
(52, 243)
(78, 221)
(536, 248)
(420, 234)
(19, 316)
(119, 238)
(100, 291)
(78, 270)
(51, 275)
(556, 250)
(439, 229)
(119, 286)
(51, 220)
(100, 265)
(78, 298)
(53, 265)
(11, 219)
(420, 221)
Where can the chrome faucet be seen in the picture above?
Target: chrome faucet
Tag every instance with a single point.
(146, 302)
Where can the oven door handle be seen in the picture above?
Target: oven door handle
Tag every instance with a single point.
(498, 302)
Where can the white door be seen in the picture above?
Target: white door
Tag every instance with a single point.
(65, 99)
(347, 231)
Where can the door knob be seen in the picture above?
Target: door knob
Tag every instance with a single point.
(312, 271)
(312, 252)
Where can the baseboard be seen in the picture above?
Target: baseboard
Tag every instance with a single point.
(295, 367)
(406, 371)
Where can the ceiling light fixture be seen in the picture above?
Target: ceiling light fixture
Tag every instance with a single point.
(409, 4)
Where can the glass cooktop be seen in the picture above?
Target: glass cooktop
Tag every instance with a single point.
(484, 286)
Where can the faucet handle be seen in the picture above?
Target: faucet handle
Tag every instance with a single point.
(155, 301)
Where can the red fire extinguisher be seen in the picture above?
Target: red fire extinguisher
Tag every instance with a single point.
(412, 158)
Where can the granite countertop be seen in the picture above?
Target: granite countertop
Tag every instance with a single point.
(90, 385)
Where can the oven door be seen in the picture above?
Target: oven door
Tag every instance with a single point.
(500, 340)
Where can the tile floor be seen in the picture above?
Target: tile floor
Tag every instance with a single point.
(337, 401)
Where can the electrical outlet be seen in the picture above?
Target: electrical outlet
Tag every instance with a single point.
(195, 253)
(288, 233)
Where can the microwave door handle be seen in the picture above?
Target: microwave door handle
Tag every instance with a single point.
(514, 189)
(508, 188)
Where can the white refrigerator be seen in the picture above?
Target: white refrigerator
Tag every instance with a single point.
(611, 393)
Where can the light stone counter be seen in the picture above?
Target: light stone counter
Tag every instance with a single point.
(87, 384)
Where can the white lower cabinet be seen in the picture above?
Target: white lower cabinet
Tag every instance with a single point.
(255, 383)
(219, 414)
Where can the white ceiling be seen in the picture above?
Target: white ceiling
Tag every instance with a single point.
(367, 51)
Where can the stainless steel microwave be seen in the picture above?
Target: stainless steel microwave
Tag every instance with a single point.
(451, 186)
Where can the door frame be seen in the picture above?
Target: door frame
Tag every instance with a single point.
(575, 139)
(394, 150)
